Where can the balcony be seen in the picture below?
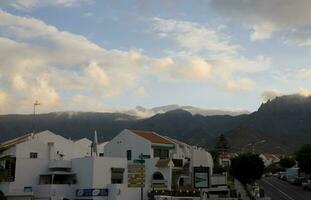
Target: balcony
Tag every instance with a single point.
(60, 164)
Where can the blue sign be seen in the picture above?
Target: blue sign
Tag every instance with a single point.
(92, 192)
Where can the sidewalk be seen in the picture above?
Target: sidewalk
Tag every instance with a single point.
(240, 189)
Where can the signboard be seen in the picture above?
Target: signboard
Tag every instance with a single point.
(201, 177)
(92, 192)
(136, 175)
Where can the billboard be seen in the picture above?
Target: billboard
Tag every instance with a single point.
(136, 175)
(201, 177)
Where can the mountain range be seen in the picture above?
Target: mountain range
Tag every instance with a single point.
(280, 125)
(142, 112)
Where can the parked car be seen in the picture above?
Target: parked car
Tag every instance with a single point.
(282, 176)
(296, 180)
(277, 174)
(306, 185)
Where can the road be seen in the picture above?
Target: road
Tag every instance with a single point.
(282, 190)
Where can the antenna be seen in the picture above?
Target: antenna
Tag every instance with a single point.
(36, 103)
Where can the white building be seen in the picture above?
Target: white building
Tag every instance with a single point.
(48, 166)
(169, 163)
(269, 159)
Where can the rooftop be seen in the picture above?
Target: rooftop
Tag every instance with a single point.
(152, 137)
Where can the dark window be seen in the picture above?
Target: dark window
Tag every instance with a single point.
(27, 189)
(178, 162)
(117, 175)
(101, 154)
(129, 154)
(160, 153)
(33, 155)
(157, 176)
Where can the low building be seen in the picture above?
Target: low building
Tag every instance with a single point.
(46, 165)
(169, 163)
(269, 159)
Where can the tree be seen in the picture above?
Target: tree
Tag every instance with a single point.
(222, 144)
(247, 167)
(287, 162)
(303, 157)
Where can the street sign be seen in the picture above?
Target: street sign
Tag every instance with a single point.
(201, 177)
(136, 175)
(139, 161)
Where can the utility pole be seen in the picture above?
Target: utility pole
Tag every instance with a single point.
(36, 103)
(142, 162)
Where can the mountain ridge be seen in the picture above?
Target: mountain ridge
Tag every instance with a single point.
(286, 121)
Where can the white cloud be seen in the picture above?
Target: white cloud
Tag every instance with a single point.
(304, 92)
(240, 84)
(270, 94)
(38, 61)
(41, 62)
(3, 98)
(193, 36)
(140, 91)
(29, 4)
(262, 31)
(97, 74)
(206, 54)
(291, 19)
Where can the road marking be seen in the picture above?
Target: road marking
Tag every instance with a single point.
(286, 195)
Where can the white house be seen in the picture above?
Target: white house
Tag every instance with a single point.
(48, 166)
(168, 162)
(269, 159)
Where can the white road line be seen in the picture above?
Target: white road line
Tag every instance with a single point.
(278, 190)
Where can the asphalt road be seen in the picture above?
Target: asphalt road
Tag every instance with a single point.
(282, 190)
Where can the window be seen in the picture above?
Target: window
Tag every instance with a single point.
(101, 154)
(33, 155)
(27, 189)
(157, 176)
(129, 154)
(117, 175)
(160, 153)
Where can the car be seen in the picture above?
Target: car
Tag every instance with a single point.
(306, 185)
(277, 174)
(296, 180)
(282, 176)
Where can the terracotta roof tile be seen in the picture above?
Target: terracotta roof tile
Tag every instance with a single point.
(152, 137)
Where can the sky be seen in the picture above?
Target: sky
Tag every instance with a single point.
(94, 55)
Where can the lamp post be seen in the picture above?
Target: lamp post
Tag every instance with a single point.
(36, 103)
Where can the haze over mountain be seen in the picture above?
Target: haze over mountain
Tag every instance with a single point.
(143, 112)
(284, 123)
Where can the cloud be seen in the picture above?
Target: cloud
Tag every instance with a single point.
(40, 62)
(291, 19)
(193, 36)
(97, 74)
(59, 68)
(304, 92)
(140, 91)
(242, 84)
(29, 4)
(205, 54)
(270, 94)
